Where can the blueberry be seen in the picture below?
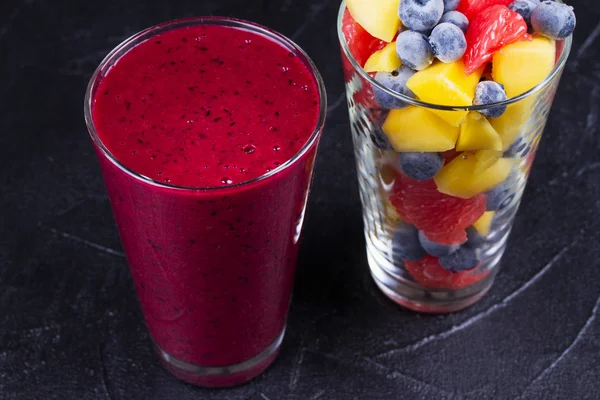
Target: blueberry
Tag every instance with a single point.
(420, 166)
(518, 149)
(554, 20)
(405, 243)
(523, 7)
(420, 15)
(395, 81)
(462, 259)
(503, 195)
(380, 139)
(457, 18)
(488, 92)
(474, 238)
(436, 249)
(414, 50)
(451, 5)
(448, 42)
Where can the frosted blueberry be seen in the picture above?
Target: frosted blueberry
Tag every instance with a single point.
(503, 195)
(474, 238)
(451, 5)
(378, 136)
(420, 15)
(523, 7)
(553, 20)
(448, 42)
(395, 81)
(405, 243)
(420, 166)
(436, 249)
(488, 92)
(457, 18)
(414, 50)
(519, 148)
(462, 259)
(380, 139)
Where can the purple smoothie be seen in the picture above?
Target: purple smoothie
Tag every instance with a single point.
(206, 136)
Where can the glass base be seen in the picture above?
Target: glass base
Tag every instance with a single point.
(417, 298)
(223, 376)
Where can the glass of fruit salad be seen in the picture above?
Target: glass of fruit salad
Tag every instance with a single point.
(447, 101)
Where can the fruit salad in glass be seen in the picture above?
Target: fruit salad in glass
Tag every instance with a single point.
(448, 100)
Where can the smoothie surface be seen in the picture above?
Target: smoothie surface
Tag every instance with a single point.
(206, 106)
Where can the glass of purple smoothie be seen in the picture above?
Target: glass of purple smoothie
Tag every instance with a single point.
(206, 130)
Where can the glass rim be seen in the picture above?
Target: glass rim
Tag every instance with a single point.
(558, 67)
(148, 33)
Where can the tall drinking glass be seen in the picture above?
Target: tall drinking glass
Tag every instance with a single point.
(206, 130)
(470, 205)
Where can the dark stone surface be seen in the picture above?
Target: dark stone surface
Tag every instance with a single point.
(70, 326)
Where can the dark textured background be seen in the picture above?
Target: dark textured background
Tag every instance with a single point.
(70, 326)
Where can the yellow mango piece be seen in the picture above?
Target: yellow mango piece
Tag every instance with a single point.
(458, 178)
(385, 60)
(418, 129)
(447, 85)
(478, 134)
(522, 65)
(485, 159)
(378, 17)
(389, 211)
(484, 224)
(510, 125)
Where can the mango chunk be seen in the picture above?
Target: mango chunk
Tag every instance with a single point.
(389, 211)
(478, 134)
(520, 66)
(511, 124)
(447, 85)
(485, 159)
(378, 17)
(417, 129)
(385, 60)
(458, 178)
(484, 224)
